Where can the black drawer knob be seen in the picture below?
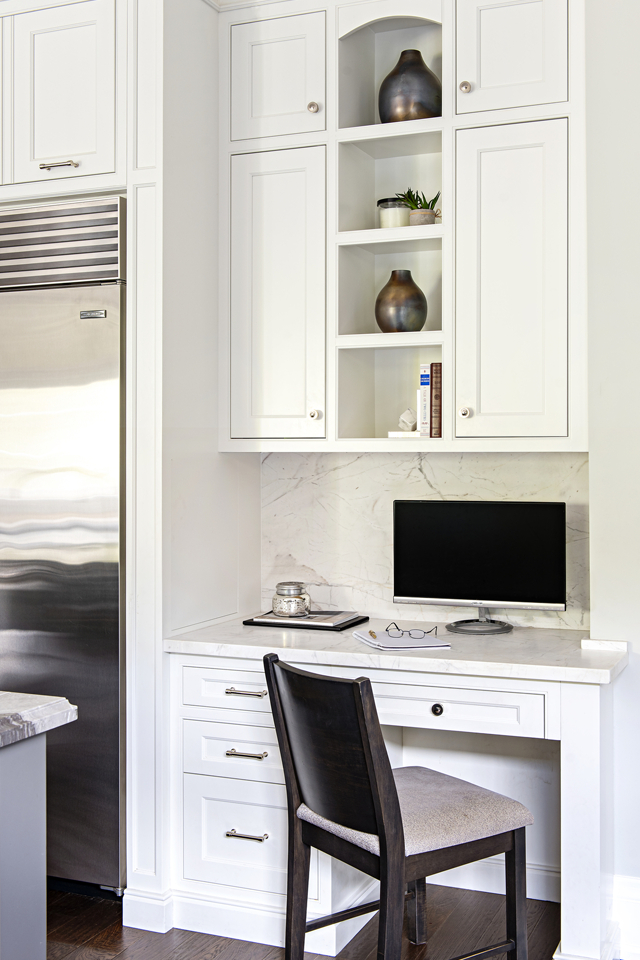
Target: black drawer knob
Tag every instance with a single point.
(437, 709)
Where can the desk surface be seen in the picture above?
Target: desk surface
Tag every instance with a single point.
(526, 653)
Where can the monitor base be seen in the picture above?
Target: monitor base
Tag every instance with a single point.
(482, 626)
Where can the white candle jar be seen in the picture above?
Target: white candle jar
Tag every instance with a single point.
(393, 213)
(291, 600)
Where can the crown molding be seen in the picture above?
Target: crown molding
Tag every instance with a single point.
(222, 5)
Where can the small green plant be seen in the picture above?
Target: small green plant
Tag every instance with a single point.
(417, 200)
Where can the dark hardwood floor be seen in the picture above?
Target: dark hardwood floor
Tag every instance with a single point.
(84, 928)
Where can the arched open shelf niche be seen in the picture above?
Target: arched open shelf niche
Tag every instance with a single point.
(369, 50)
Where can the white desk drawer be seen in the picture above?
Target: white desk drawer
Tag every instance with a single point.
(505, 712)
(207, 746)
(214, 806)
(244, 690)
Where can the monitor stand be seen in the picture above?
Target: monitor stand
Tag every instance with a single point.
(482, 626)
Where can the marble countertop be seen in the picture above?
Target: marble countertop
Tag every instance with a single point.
(24, 715)
(526, 653)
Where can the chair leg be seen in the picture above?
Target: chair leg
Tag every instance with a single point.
(417, 911)
(297, 891)
(516, 878)
(392, 889)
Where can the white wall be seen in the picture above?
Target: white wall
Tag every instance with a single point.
(613, 205)
(327, 520)
(193, 514)
(211, 501)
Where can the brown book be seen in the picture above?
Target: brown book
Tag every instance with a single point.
(436, 400)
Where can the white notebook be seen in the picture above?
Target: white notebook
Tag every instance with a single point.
(382, 641)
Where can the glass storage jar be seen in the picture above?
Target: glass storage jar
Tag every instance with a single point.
(291, 599)
(393, 213)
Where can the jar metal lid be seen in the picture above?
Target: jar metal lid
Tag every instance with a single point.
(396, 201)
(290, 588)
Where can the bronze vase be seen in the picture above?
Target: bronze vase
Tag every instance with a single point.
(411, 91)
(401, 306)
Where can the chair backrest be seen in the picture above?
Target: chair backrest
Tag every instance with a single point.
(333, 752)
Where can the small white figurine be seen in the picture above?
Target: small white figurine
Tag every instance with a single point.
(408, 420)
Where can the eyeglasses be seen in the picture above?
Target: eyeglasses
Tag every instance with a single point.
(394, 631)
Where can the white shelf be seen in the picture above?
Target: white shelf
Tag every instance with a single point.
(366, 55)
(375, 133)
(364, 269)
(360, 341)
(369, 170)
(377, 240)
(375, 385)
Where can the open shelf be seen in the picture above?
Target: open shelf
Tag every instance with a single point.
(382, 241)
(375, 385)
(371, 169)
(364, 269)
(368, 54)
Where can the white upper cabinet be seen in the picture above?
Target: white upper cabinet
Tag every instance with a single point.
(511, 53)
(511, 281)
(62, 89)
(278, 76)
(278, 293)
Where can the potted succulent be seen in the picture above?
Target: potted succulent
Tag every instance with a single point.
(422, 210)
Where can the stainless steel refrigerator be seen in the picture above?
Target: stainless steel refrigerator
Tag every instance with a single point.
(62, 508)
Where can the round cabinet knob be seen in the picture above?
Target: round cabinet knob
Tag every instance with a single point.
(315, 414)
(465, 86)
(464, 412)
(313, 107)
(437, 709)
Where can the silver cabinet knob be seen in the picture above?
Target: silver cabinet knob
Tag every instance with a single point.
(313, 107)
(465, 86)
(315, 414)
(464, 412)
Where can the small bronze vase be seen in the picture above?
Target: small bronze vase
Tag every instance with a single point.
(411, 91)
(401, 306)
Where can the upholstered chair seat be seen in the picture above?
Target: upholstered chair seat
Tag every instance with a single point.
(437, 811)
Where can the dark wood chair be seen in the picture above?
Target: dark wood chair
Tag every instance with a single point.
(398, 826)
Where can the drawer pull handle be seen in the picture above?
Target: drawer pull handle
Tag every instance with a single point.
(246, 836)
(437, 709)
(60, 163)
(248, 756)
(232, 692)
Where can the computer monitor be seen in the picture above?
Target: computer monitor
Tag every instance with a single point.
(480, 554)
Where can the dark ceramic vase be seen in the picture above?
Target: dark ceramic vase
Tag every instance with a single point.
(411, 91)
(401, 306)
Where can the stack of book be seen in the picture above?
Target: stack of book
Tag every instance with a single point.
(429, 404)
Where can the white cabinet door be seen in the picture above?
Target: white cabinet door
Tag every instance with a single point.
(278, 76)
(278, 293)
(511, 53)
(511, 280)
(64, 91)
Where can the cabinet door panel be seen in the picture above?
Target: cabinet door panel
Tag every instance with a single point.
(64, 91)
(512, 53)
(511, 280)
(277, 69)
(277, 293)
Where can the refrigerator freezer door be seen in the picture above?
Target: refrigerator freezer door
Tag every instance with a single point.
(60, 503)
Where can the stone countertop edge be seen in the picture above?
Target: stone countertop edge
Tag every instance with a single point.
(24, 715)
(528, 653)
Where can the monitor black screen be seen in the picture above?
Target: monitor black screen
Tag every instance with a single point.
(480, 553)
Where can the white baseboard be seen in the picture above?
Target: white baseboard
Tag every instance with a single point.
(259, 924)
(146, 911)
(626, 911)
(543, 883)
(160, 913)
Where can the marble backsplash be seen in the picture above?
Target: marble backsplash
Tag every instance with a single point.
(327, 520)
